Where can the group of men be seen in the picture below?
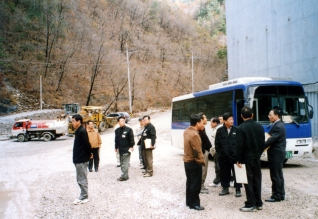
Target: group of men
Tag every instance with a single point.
(234, 146)
(124, 143)
(87, 143)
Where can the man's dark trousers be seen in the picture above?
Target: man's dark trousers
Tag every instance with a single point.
(225, 168)
(277, 177)
(254, 186)
(193, 186)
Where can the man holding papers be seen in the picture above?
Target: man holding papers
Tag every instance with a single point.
(250, 146)
(148, 142)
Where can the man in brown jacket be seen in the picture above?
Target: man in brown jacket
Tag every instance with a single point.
(96, 143)
(193, 161)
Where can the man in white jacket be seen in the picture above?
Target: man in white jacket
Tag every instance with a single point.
(215, 125)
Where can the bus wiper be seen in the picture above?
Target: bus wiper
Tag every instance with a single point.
(295, 122)
(289, 119)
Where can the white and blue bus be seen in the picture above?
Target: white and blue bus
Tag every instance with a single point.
(261, 94)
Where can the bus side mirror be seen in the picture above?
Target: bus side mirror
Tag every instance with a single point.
(311, 114)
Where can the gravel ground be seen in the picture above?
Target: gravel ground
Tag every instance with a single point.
(38, 181)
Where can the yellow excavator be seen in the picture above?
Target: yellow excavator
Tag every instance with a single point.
(94, 113)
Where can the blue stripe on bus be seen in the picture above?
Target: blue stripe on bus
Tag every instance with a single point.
(244, 86)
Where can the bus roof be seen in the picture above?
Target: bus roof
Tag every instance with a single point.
(239, 83)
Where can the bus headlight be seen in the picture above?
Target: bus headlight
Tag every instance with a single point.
(301, 141)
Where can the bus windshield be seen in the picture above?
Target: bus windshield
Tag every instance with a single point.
(290, 99)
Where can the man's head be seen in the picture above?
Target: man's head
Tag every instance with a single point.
(221, 119)
(141, 122)
(228, 119)
(121, 121)
(90, 124)
(246, 112)
(196, 121)
(146, 120)
(204, 119)
(77, 120)
(215, 122)
(273, 115)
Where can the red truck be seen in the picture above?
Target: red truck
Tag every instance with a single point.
(27, 129)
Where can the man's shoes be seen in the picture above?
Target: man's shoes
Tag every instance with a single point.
(78, 201)
(90, 170)
(147, 175)
(118, 165)
(143, 168)
(204, 190)
(248, 209)
(121, 179)
(96, 170)
(198, 208)
(272, 200)
(259, 207)
(238, 192)
(225, 191)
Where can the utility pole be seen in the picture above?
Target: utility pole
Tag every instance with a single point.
(192, 75)
(129, 89)
(41, 92)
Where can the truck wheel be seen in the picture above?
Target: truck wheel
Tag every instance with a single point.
(21, 138)
(47, 137)
(102, 126)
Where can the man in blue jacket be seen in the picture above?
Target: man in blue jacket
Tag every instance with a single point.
(276, 155)
(81, 155)
(124, 143)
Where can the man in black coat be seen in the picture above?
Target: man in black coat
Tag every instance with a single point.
(276, 155)
(124, 143)
(225, 146)
(249, 148)
(149, 132)
(81, 154)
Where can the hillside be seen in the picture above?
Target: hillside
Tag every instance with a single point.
(79, 49)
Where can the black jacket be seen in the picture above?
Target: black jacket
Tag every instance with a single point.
(225, 144)
(82, 147)
(277, 142)
(148, 132)
(206, 144)
(124, 139)
(249, 141)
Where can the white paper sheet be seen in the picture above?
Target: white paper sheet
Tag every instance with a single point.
(240, 174)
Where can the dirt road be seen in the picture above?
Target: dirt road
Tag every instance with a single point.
(37, 180)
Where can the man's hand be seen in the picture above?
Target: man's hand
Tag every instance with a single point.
(116, 150)
(239, 165)
(151, 147)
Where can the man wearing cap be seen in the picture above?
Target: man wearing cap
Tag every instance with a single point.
(138, 132)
